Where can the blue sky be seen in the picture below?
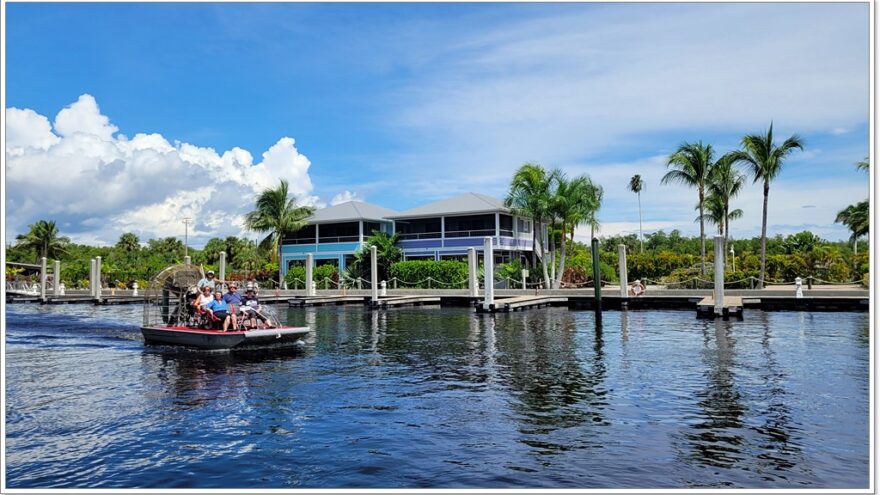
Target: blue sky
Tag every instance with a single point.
(128, 109)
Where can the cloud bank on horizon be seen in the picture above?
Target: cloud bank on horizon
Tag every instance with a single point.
(81, 172)
(416, 102)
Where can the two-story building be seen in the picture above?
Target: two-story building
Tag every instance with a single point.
(333, 234)
(443, 229)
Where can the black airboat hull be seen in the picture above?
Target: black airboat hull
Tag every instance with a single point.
(216, 339)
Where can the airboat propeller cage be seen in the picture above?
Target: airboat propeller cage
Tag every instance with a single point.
(165, 301)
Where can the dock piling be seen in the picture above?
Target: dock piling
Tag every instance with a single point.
(310, 289)
(98, 277)
(56, 276)
(621, 261)
(597, 279)
(92, 283)
(223, 266)
(488, 274)
(719, 274)
(43, 279)
(187, 260)
(473, 284)
(374, 276)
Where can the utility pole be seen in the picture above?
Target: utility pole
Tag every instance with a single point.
(186, 236)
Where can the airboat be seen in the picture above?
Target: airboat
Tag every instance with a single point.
(171, 319)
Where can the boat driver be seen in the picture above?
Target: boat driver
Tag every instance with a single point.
(208, 281)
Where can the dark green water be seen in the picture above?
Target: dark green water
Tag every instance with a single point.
(430, 397)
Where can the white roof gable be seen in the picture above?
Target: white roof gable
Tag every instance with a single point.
(462, 204)
(351, 211)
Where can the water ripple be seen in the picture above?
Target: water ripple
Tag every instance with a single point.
(431, 397)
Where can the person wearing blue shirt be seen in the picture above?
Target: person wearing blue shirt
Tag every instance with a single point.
(220, 309)
(232, 296)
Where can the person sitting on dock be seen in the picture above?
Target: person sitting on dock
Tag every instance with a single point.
(218, 309)
(637, 289)
(208, 281)
(251, 309)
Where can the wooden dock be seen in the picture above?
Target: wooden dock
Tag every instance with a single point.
(398, 301)
(731, 306)
(519, 303)
(325, 301)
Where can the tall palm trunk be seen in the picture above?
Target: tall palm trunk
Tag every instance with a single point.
(726, 232)
(702, 235)
(552, 244)
(561, 259)
(764, 235)
(641, 237)
(540, 236)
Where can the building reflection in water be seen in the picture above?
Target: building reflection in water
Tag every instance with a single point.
(557, 388)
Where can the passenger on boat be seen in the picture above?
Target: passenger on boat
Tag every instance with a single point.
(219, 309)
(251, 310)
(208, 281)
(232, 296)
(204, 298)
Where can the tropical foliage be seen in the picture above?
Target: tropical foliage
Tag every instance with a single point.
(277, 214)
(764, 159)
(857, 217)
(636, 184)
(444, 274)
(43, 238)
(561, 203)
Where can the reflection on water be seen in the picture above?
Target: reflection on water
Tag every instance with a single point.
(431, 397)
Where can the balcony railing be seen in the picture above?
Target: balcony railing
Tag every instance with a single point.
(323, 240)
(470, 233)
(419, 235)
(344, 238)
(455, 233)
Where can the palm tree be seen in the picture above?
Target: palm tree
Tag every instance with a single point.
(863, 165)
(717, 213)
(529, 196)
(764, 159)
(277, 215)
(690, 165)
(635, 185)
(128, 243)
(43, 238)
(857, 218)
(725, 182)
(573, 202)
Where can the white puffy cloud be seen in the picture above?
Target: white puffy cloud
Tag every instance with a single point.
(85, 117)
(99, 184)
(27, 129)
(345, 196)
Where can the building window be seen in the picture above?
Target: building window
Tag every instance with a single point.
(371, 228)
(339, 232)
(505, 225)
(305, 235)
(420, 228)
(524, 225)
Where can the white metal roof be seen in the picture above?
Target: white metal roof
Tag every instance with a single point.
(463, 204)
(351, 211)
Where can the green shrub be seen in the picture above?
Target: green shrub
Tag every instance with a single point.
(444, 274)
(296, 275)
